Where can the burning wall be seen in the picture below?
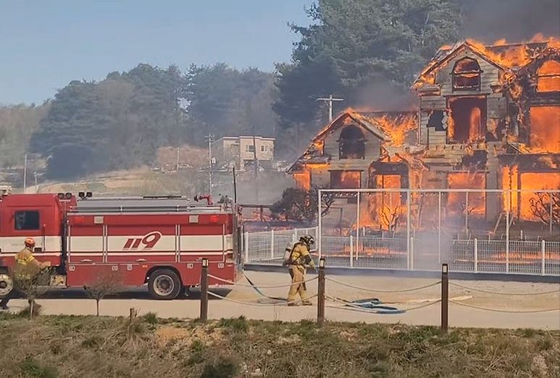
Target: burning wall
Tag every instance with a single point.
(528, 183)
(545, 128)
(473, 203)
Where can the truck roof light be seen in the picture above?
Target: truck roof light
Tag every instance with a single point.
(81, 194)
(60, 195)
(89, 194)
(68, 195)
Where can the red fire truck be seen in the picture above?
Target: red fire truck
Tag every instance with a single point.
(158, 241)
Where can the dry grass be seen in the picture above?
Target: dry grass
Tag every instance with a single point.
(66, 346)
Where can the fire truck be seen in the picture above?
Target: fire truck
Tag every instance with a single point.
(155, 241)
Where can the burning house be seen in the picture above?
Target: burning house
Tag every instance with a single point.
(488, 118)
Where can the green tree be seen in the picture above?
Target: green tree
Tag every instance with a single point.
(225, 101)
(72, 131)
(354, 43)
(117, 123)
(301, 204)
(17, 124)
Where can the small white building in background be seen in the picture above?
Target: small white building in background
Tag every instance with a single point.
(240, 152)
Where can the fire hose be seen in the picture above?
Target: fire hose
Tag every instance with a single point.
(260, 292)
(372, 305)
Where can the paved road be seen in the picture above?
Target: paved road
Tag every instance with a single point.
(255, 307)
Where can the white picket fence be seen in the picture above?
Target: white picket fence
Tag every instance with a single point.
(418, 253)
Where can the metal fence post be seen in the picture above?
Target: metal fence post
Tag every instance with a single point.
(246, 246)
(551, 215)
(507, 241)
(358, 226)
(321, 293)
(444, 298)
(272, 244)
(408, 199)
(412, 253)
(543, 262)
(351, 251)
(476, 255)
(204, 291)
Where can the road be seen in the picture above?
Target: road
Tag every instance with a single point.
(513, 297)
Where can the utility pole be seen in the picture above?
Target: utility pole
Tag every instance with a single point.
(25, 174)
(177, 165)
(210, 136)
(36, 187)
(329, 101)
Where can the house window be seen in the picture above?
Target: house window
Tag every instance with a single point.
(351, 144)
(346, 179)
(466, 75)
(250, 148)
(26, 220)
(548, 77)
(263, 148)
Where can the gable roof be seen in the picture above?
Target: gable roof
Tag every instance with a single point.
(507, 57)
(310, 154)
(341, 120)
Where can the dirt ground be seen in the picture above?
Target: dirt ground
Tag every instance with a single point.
(516, 299)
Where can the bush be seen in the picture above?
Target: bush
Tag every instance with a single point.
(31, 368)
(226, 368)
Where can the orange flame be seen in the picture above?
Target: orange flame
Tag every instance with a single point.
(549, 77)
(519, 203)
(303, 180)
(458, 202)
(545, 128)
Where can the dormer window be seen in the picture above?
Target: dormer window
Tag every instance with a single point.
(351, 144)
(466, 75)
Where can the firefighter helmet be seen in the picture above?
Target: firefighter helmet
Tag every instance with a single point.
(30, 242)
(308, 239)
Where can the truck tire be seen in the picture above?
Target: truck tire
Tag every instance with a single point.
(164, 284)
(6, 284)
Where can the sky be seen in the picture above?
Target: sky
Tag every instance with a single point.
(46, 44)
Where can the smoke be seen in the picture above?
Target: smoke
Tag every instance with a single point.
(384, 95)
(514, 20)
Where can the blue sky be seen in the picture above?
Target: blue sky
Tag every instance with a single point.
(44, 44)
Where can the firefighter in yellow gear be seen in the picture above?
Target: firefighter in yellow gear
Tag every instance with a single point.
(298, 261)
(26, 267)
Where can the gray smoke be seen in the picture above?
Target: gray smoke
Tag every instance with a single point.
(515, 20)
(384, 95)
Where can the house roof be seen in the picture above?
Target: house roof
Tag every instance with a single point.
(507, 57)
(368, 124)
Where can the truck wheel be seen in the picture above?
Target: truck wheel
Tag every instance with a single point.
(164, 284)
(6, 284)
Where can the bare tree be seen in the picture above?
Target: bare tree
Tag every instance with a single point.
(545, 205)
(106, 283)
(32, 282)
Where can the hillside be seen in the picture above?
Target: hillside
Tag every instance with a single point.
(115, 347)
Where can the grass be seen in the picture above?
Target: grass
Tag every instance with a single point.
(70, 346)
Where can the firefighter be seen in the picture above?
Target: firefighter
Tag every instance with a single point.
(299, 258)
(24, 260)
